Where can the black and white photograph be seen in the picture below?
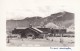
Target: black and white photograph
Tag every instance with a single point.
(40, 27)
(39, 24)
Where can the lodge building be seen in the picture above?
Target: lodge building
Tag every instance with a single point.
(38, 32)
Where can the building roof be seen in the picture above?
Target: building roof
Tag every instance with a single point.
(21, 27)
(36, 29)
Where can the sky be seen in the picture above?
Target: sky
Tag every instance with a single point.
(20, 9)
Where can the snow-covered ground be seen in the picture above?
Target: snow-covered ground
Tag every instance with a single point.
(50, 41)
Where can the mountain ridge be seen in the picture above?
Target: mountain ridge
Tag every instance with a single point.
(64, 19)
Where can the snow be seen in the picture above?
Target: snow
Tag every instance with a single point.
(37, 29)
(67, 42)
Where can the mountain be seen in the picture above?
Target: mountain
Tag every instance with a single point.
(61, 19)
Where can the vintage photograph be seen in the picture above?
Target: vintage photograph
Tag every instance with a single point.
(55, 30)
(40, 23)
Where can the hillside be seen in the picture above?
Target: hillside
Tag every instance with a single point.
(61, 19)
